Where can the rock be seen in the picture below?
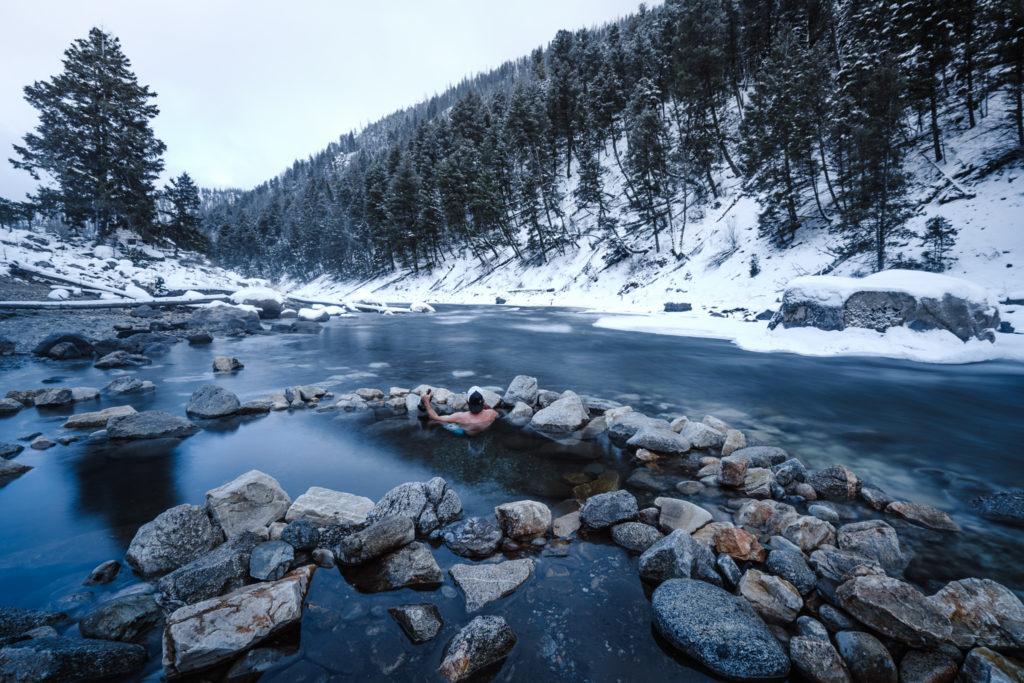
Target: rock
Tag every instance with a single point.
(97, 419)
(524, 519)
(758, 513)
(817, 660)
(605, 482)
(223, 319)
(621, 428)
(429, 504)
(485, 583)
(410, 566)
(57, 659)
(8, 406)
(270, 560)
(566, 525)
(121, 359)
(324, 507)
(370, 394)
(758, 481)
(381, 537)
(246, 503)
(811, 628)
(875, 497)
(421, 621)
(103, 574)
(701, 436)
(677, 307)
(835, 483)
(41, 443)
(983, 613)
(173, 539)
(895, 609)
(473, 537)
(605, 509)
(27, 398)
(212, 401)
(734, 441)
(729, 571)
(270, 303)
(775, 599)
(842, 565)
(9, 450)
(733, 470)
(213, 631)
(1005, 506)
(790, 472)
(258, 406)
(482, 641)
(323, 558)
(689, 488)
(301, 534)
(677, 556)
(199, 339)
(522, 388)
(9, 471)
(680, 514)
(660, 441)
(635, 536)
(129, 618)
(226, 364)
(925, 515)
(150, 424)
(74, 346)
(982, 665)
(719, 630)
(220, 571)
(876, 540)
(792, 567)
(129, 385)
(53, 398)
(837, 620)
(927, 666)
(739, 544)
(520, 412)
(824, 512)
(567, 414)
(866, 659)
(808, 532)
(16, 620)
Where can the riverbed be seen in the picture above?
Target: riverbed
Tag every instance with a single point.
(938, 435)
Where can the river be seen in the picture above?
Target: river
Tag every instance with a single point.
(935, 434)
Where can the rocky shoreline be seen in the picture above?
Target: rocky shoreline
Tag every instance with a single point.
(768, 578)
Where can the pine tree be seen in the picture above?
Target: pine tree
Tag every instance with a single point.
(94, 141)
(647, 161)
(183, 220)
(939, 238)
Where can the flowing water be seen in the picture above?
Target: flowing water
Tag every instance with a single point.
(932, 434)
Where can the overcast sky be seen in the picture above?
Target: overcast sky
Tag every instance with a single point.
(245, 88)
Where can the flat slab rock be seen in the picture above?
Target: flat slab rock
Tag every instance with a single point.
(150, 424)
(16, 620)
(213, 631)
(719, 630)
(485, 583)
(325, 507)
(61, 659)
(97, 419)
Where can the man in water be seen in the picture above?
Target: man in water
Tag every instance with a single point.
(479, 417)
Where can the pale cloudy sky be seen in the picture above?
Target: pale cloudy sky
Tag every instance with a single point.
(245, 88)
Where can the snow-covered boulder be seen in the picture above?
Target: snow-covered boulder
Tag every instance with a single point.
(102, 251)
(891, 298)
(313, 315)
(270, 302)
(421, 307)
(59, 294)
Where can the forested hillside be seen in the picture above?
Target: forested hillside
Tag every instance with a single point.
(620, 139)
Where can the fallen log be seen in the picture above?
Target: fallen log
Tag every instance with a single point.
(107, 303)
(17, 267)
(359, 306)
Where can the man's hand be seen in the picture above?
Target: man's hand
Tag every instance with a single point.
(426, 396)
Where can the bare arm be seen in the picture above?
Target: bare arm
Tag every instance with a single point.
(431, 413)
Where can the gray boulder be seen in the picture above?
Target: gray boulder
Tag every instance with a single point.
(927, 666)
(523, 519)
(481, 642)
(248, 502)
(270, 560)
(73, 346)
(129, 385)
(719, 630)
(9, 406)
(429, 505)
(16, 620)
(678, 556)
(421, 621)
(9, 450)
(866, 658)
(121, 359)
(766, 456)
(223, 319)
(58, 659)
(817, 660)
(841, 565)
(176, 537)
(982, 665)
(635, 537)
(410, 566)
(326, 507)
(150, 424)
(983, 613)
(301, 534)
(567, 414)
(211, 401)
(473, 537)
(9, 471)
(1005, 506)
(895, 609)
(606, 509)
(220, 571)
(97, 419)
(522, 388)
(226, 364)
(835, 483)
(381, 537)
(660, 440)
(622, 428)
(484, 583)
(129, 618)
(876, 540)
(792, 567)
(680, 514)
(701, 436)
(53, 398)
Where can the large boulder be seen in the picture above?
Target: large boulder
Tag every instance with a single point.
(876, 540)
(326, 507)
(567, 414)
(53, 397)
(222, 318)
(16, 620)
(411, 566)
(678, 556)
(522, 388)
(176, 537)
(421, 621)
(473, 537)
(523, 519)
(269, 301)
(59, 659)
(211, 401)
(719, 630)
(485, 583)
(1004, 506)
(71, 345)
(480, 642)
(430, 505)
(97, 419)
(220, 571)
(895, 609)
(129, 618)
(248, 502)
(213, 631)
(983, 613)
(382, 537)
(915, 299)
(150, 424)
(607, 509)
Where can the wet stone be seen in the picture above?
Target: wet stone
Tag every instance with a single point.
(810, 627)
(411, 566)
(16, 620)
(866, 658)
(473, 537)
(817, 660)
(982, 665)
(301, 535)
(485, 583)
(66, 659)
(420, 621)
(875, 540)
(895, 609)
(792, 567)
(927, 666)
(606, 509)
(634, 536)
(481, 642)
(271, 560)
(103, 574)
(925, 515)
(130, 619)
(681, 514)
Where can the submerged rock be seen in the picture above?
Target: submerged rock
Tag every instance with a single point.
(411, 566)
(719, 630)
(9, 471)
(226, 364)
(103, 574)
(481, 642)
(484, 583)
(925, 515)
(97, 419)
(58, 659)
(16, 620)
(1005, 506)
(129, 385)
